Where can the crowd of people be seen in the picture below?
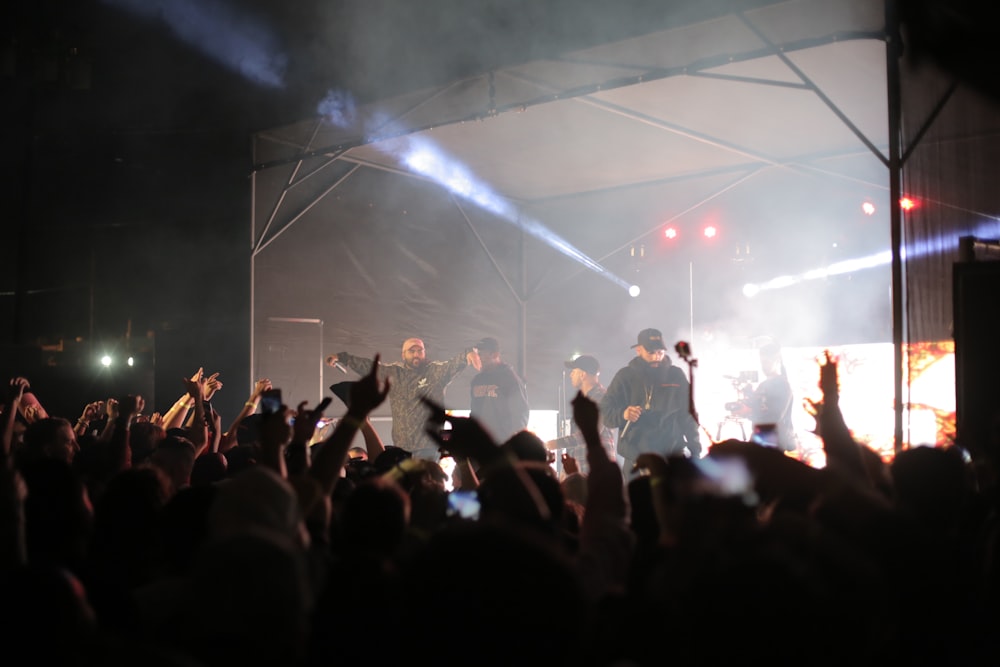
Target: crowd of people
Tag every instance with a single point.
(169, 539)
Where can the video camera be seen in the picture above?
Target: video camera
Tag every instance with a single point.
(743, 384)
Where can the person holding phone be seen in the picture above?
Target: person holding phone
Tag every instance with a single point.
(413, 378)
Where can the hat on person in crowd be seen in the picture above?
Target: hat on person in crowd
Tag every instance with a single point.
(651, 339)
(342, 390)
(585, 363)
(488, 344)
(526, 446)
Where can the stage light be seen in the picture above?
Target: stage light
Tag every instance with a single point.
(710, 232)
(106, 361)
(907, 204)
(427, 159)
(835, 269)
(228, 35)
(633, 291)
(868, 208)
(131, 361)
(670, 232)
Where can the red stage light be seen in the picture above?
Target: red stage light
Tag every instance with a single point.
(907, 204)
(710, 232)
(670, 232)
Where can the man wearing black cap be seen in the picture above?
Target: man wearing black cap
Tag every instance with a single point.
(647, 402)
(584, 375)
(498, 396)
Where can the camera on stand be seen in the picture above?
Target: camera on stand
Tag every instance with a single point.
(743, 385)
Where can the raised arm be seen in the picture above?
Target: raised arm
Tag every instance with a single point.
(229, 440)
(359, 365)
(91, 412)
(467, 438)
(119, 448)
(275, 434)
(842, 451)
(175, 416)
(605, 489)
(444, 372)
(31, 408)
(215, 437)
(110, 424)
(198, 429)
(366, 395)
(13, 403)
(373, 443)
(13, 550)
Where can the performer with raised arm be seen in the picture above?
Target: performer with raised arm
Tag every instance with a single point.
(412, 379)
(584, 376)
(498, 398)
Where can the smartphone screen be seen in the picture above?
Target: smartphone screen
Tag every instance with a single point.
(765, 434)
(463, 504)
(270, 401)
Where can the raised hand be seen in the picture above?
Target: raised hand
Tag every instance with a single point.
(306, 420)
(92, 411)
(368, 393)
(212, 385)
(261, 386)
(828, 379)
(474, 359)
(467, 437)
(585, 413)
(195, 386)
(18, 386)
(569, 464)
(131, 405)
(111, 409)
(30, 408)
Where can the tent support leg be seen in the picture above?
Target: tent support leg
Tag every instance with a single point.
(892, 55)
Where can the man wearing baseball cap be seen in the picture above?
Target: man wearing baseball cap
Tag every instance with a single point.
(584, 375)
(647, 401)
(498, 398)
(411, 380)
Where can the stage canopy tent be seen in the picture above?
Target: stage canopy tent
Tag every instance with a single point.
(447, 212)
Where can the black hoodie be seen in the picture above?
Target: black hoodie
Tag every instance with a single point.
(663, 393)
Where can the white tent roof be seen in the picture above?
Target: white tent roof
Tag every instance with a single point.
(723, 95)
(771, 122)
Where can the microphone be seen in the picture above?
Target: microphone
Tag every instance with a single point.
(683, 350)
(336, 364)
